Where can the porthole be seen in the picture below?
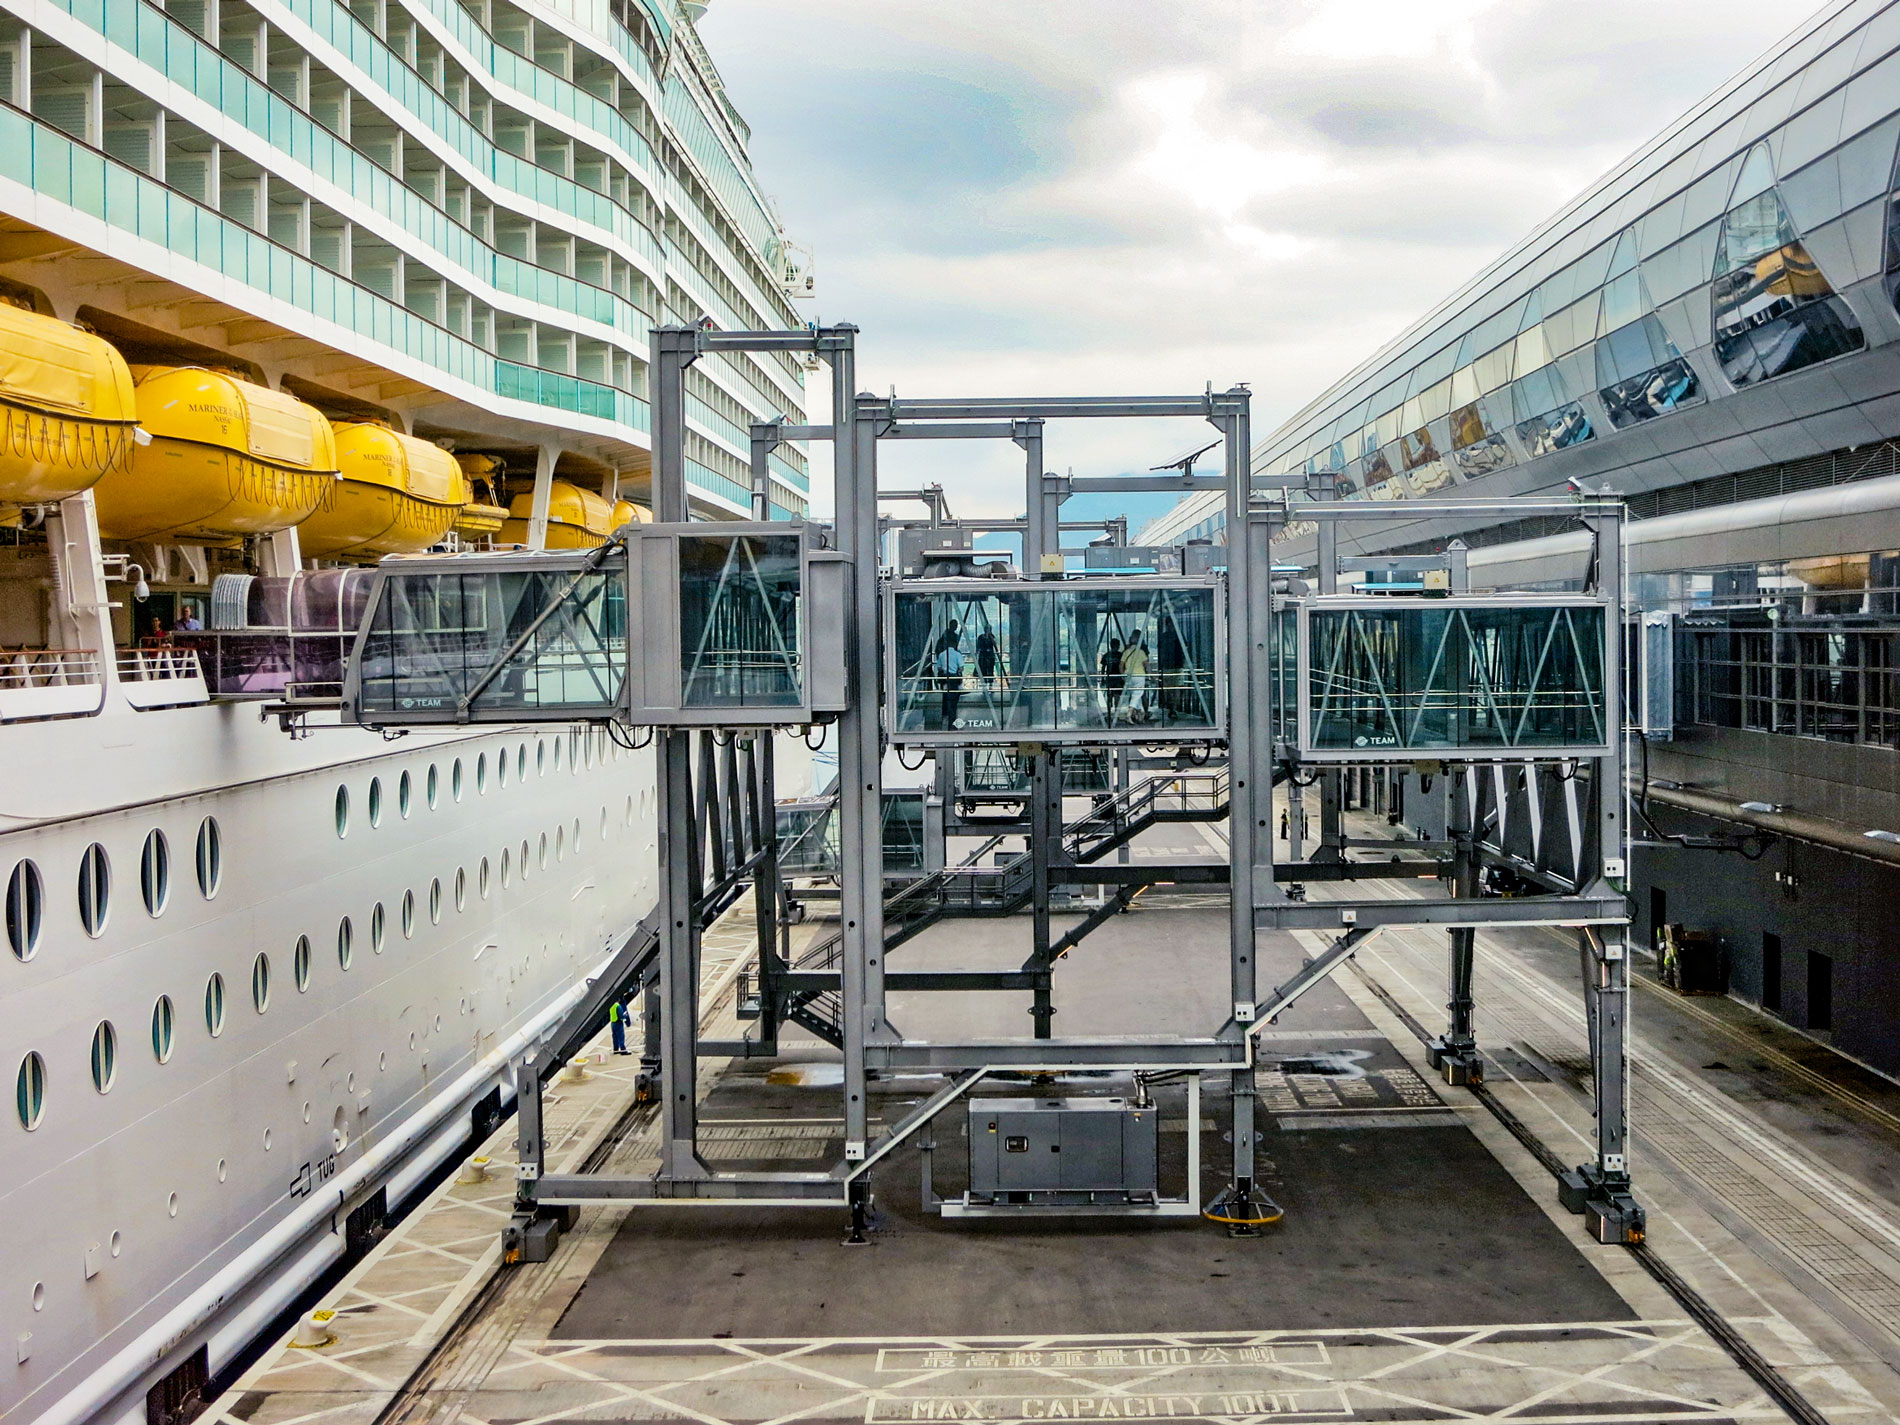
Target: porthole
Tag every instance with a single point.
(435, 902)
(223, 1169)
(345, 942)
(375, 801)
(540, 756)
(171, 1204)
(434, 786)
(95, 889)
(560, 844)
(603, 823)
(376, 927)
(342, 811)
(214, 1005)
(300, 963)
(627, 816)
(26, 905)
(481, 879)
(461, 887)
(29, 1098)
(164, 1029)
(507, 867)
(438, 1024)
(501, 768)
(521, 763)
(524, 860)
(260, 983)
(577, 836)
(210, 857)
(481, 774)
(267, 1140)
(105, 1055)
(544, 851)
(560, 744)
(155, 872)
(408, 914)
(455, 779)
(402, 796)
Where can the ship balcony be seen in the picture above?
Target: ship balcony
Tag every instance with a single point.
(162, 678)
(40, 683)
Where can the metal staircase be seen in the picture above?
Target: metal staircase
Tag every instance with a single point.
(970, 890)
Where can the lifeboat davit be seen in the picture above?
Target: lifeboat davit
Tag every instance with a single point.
(397, 495)
(67, 412)
(482, 516)
(227, 458)
(577, 518)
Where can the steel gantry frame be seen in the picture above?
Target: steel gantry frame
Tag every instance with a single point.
(1261, 750)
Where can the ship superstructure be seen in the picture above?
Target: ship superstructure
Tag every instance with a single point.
(286, 287)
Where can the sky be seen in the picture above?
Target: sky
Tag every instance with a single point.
(1109, 197)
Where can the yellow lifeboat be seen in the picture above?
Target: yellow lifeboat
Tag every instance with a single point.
(482, 516)
(227, 458)
(398, 495)
(577, 518)
(67, 412)
(626, 512)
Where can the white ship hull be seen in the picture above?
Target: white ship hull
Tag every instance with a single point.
(127, 1204)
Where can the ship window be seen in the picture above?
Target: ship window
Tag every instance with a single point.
(376, 919)
(402, 796)
(461, 887)
(540, 756)
(628, 817)
(501, 768)
(455, 780)
(408, 914)
(164, 1029)
(559, 743)
(507, 867)
(435, 789)
(435, 902)
(214, 1005)
(603, 823)
(29, 1091)
(375, 801)
(524, 860)
(544, 848)
(155, 871)
(300, 963)
(481, 880)
(345, 942)
(560, 843)
(210, 856)
(26, 904)
(260, 982)
(105, 1055)
(521, 763)
(95, 889)
(342, 811)
(481, 773)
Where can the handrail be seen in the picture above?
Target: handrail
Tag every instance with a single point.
(151, 665)
(48, 667)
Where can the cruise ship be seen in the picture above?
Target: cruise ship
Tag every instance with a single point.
(287, 286)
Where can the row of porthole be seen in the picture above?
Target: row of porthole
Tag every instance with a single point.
(405, 786)
(30, 1081)
(26, 888)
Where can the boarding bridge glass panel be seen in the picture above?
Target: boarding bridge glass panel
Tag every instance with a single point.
(1083, 661)
(808, 835)
(739, 626)
(1452, 677)
(514, 642)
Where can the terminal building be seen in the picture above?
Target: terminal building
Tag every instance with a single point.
(1711, 332)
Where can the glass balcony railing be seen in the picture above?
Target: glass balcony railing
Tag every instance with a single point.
(1130, 660)
(63, 170)
(1472, 678)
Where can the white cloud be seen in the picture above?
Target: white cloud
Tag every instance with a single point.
(1095, 196)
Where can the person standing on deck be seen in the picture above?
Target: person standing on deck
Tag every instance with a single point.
(1135, 672)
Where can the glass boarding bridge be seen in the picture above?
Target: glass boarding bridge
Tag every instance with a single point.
(808, 835)
(1518, 675)
(701, 624)
(1088, 661)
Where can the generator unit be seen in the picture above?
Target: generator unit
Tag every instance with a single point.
(1062, 1152)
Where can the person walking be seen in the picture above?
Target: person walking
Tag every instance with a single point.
(949, 671)
(1135, 674)
(986, 657)
(1111, 680)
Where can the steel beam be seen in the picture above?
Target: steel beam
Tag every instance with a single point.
(1124, 1052)
(1522, 910)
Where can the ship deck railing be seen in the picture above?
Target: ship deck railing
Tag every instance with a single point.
(162, 677)
(40, 683)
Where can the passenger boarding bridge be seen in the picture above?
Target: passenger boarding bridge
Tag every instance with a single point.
(704, 637)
